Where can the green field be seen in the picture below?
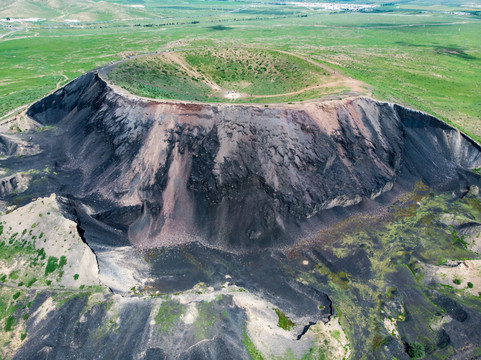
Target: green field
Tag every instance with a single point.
(222, 74)
(253, 71)
(423, 55)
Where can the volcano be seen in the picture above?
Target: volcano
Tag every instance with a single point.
(157, 229)
(241, 176)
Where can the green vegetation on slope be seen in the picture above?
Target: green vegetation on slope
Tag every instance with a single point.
(209, 74)
(205, 319)
(14, 311)
(379, 274)
(284, 322)
(253, 352)
(169, 313)
(155, 77)
(255, 71)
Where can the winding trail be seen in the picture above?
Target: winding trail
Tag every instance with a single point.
(314, 87)
(65, 78)
(8, 33)
(22, 107)
(18, 37)
(13, 111)
(353, 84)
(173, 57)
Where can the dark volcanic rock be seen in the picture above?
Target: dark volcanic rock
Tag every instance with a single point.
(241, 175)
(7, 146)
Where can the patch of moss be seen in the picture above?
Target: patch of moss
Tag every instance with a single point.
(14, 275)
(416, 351)
(62, 262)
(31, 281)
(169, 313)
(458, 239)
(284, 322)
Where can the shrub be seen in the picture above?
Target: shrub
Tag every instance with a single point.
(457, 281)
(470, 285)
(62, 262)
(415, 350)
(75, 277)
(31, 282)
(9, 323)
(51, 265)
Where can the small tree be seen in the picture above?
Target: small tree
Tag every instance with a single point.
(416, 350)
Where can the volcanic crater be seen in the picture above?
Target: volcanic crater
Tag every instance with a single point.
(241, 176)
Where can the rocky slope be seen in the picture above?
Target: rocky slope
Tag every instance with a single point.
(240, 176)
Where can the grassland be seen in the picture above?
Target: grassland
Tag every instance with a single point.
(430, 61)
